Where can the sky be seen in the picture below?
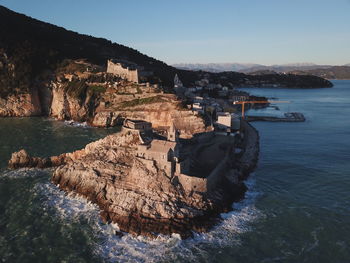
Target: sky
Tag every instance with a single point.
(209, 31)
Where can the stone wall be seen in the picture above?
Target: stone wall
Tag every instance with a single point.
(250, 156)
(22, 105)
(185, 121)
(215, 177)
(190, 183)
(204, 136)
(123, 71)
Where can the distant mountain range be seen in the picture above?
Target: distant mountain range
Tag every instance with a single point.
(325, 71)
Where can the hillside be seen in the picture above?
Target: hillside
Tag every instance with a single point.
(28, 47)
(336, 72)
(323, 71)
(216, 67)
(31, 51)
(249, 68)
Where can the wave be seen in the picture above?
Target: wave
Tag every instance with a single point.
(77, 124)
(72, 208)
(25, 172)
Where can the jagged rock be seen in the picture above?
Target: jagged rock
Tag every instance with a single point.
(137, 193)
(23, 159)
(22, 105)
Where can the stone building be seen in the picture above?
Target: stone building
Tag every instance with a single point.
(162, 152)
(173, 134)
(177, 82)
(224, 119)
(137, 125)
(165, 155)
(124, 69)
(228, 121)
(128, 70)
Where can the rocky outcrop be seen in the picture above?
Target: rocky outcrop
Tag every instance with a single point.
(21, 105)
(138, 194)
(22, 159)
(185, 121)
(66, 106)
(133, 192)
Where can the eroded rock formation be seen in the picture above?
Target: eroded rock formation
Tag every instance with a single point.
(21, 105)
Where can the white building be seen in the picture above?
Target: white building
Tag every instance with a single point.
(226, 120)
(197, 107)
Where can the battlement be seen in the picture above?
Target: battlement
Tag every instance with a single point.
(124, 69)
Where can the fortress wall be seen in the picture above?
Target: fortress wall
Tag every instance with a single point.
(123, 72)
(190, 183)
(204, 137)
(133, 75)
(215, 177)
(250, 156)
(183, 167)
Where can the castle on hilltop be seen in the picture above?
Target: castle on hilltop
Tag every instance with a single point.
(127, 70)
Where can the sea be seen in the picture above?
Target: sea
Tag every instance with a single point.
(297, 208)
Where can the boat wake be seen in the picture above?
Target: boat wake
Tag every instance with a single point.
(71, 209)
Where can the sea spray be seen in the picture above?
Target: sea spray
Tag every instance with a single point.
(111, 247)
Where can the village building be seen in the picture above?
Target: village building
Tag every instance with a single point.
(202, 82)
(198, 107)
(198, 99)
(224, 119)
(227, 121)
(222, 93)
(239, 98)
(177, 82)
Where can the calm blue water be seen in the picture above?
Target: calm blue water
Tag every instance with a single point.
(297, 208)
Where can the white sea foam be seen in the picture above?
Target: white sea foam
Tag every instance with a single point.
(127, 248)
(77, 124)
(24, 172)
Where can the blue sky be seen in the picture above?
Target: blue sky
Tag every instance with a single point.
(246, 31)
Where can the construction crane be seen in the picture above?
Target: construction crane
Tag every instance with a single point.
(256, 101)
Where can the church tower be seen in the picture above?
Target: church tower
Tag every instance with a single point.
(173, 134)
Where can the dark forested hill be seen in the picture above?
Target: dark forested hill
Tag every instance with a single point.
(30, 46)
(335, 72)
(29, 49)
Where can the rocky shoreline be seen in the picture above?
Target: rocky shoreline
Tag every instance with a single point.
(140, 195)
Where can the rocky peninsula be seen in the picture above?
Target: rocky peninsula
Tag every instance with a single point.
(149, 184)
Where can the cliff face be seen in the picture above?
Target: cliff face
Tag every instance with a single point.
(21, 105)
(67, 107)
(134, 193)
(84, 92)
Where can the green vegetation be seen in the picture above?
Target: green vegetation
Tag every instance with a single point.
(336, 72)
(97, 89)
(68, 66)
(76, 88)
(139, 91)
(143, 101)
